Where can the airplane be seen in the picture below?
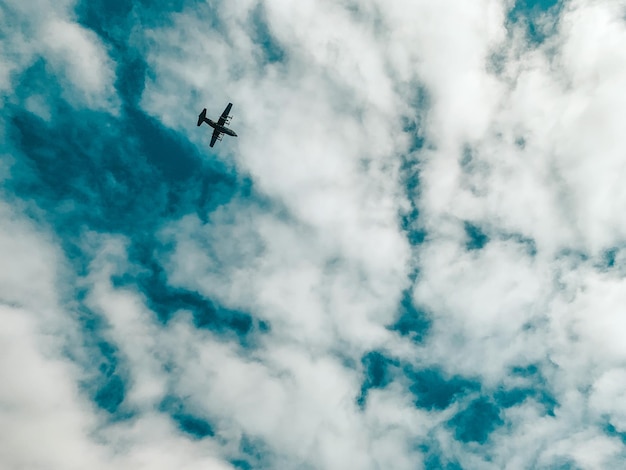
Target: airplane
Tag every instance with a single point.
(219, 126)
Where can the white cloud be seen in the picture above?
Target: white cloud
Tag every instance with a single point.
(607, 395)
(492, 318)
(78, 53)
(301, 403)
(39, 400)
(532, 154)
(543, 169)
(48, 30)
(45, 421)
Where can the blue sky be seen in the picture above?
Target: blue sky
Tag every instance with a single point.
(411, 257)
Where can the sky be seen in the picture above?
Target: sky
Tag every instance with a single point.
(413, 256)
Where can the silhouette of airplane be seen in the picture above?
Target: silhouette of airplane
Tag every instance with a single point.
(219, 126)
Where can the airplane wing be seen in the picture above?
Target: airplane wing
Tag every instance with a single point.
(214, 137)
(222, 120)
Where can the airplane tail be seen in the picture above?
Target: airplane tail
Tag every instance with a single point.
(202, 117)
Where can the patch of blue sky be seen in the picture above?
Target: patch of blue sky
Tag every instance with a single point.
(516, 396)
(262, 36)
(610, 430)
(409, 219)
(412, 322)
(106, 381)
(131, 79)
(611, 259)
(165, 300)
(477, 421)
(109, 19)
(113, 20)
(435, 460)
(510, 398)
(125, 180)
(253, 454)
(476, 236)
(535, 387)
(431, 388)
(409, 171)
(111, 394)
(535, 6)
(417, 140)
(379, 371)
(195, 426)
(530, 370)
(153, 14)
(534, 15)
(412, 125)
(409, 222)
(241, 464)
(608, 257)
(434, 391)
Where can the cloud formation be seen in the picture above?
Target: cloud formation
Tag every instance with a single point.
(411, 256)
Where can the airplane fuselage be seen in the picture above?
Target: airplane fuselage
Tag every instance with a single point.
(222, 129)
(219, 127)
